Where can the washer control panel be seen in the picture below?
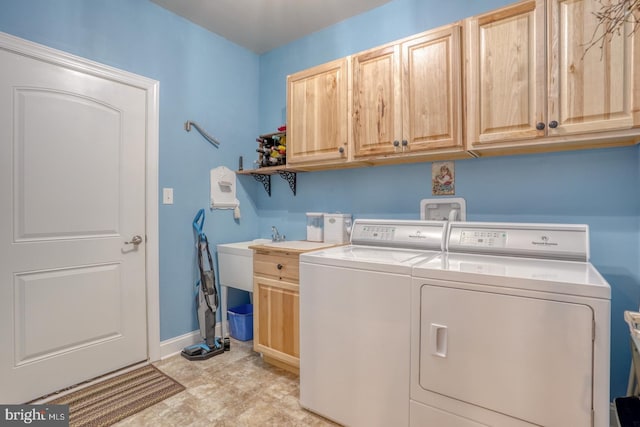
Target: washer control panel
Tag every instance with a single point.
(378, 232)
(399, 233)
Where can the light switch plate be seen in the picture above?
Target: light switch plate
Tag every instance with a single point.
(167, 196)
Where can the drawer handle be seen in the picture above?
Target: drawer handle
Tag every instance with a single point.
(279, 266)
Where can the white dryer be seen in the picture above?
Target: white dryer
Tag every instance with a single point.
(355, 322)
(512, 330)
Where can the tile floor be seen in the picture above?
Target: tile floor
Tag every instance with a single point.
(232, 389)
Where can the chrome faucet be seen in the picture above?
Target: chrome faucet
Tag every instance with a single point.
(275, 236)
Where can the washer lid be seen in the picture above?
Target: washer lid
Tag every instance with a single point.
(392, 260)
(556, 276)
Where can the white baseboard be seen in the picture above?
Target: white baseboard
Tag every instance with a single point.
(173, 346)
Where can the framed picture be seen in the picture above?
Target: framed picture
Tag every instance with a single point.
(443, 178)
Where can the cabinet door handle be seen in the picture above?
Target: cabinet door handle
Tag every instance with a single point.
(341, 150)
(553, 124)
(405, 142)
(396, 143)
(540, 126)
(279, 266)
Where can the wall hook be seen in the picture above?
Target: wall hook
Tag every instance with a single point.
(212, 140)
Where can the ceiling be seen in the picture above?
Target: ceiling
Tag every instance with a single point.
(262, 25)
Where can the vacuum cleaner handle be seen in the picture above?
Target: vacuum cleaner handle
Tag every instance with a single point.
(198, 222)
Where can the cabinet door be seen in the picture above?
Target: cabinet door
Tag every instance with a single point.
(432, 87)
(589, 90)
(276, 320)
(377, 125)
(317, 114)
(505, 54)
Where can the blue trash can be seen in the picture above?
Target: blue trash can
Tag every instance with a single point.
(241, 322)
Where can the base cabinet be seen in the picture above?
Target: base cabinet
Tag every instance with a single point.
(277, 333)
(276, 325)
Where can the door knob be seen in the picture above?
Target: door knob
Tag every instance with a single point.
(135, 240)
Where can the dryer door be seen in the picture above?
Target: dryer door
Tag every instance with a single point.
(524, 357)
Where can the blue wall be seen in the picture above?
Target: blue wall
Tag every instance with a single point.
(207, 79)
(596, 187)
(203, 78)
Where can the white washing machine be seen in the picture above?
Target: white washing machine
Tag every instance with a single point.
(512, 330)
(355, 322)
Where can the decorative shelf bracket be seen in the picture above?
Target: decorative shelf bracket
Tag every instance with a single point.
(290, 177)
(265, 180)
(263, 175)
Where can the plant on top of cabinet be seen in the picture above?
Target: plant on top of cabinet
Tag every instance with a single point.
(317, 115)
(407, 96)
(531, 90)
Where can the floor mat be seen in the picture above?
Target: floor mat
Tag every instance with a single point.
(112, 400)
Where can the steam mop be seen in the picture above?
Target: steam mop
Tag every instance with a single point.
(207, 301)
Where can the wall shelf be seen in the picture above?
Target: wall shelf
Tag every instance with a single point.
(263, 175)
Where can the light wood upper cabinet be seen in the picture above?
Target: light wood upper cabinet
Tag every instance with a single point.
(317, 114)
(407, 95)
(432, 90)
(505, 74)
(592, 91)
(377, 107)
(529, 79)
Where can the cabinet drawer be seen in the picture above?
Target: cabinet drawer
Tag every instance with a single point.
(276, 265)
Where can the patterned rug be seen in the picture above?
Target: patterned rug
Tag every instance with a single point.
(112, 400)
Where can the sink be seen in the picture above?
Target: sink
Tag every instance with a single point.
(235, 264)
(241, 248)
(301, 245)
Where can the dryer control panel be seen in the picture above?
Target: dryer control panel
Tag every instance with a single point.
(551, 241)
(484, 238)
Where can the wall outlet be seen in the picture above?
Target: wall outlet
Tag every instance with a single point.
(167, 196)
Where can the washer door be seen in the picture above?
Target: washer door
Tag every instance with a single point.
(523, 357)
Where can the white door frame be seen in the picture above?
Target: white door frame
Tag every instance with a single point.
(151, 87)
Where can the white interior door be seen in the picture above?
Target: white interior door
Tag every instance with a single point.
(72, 185)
